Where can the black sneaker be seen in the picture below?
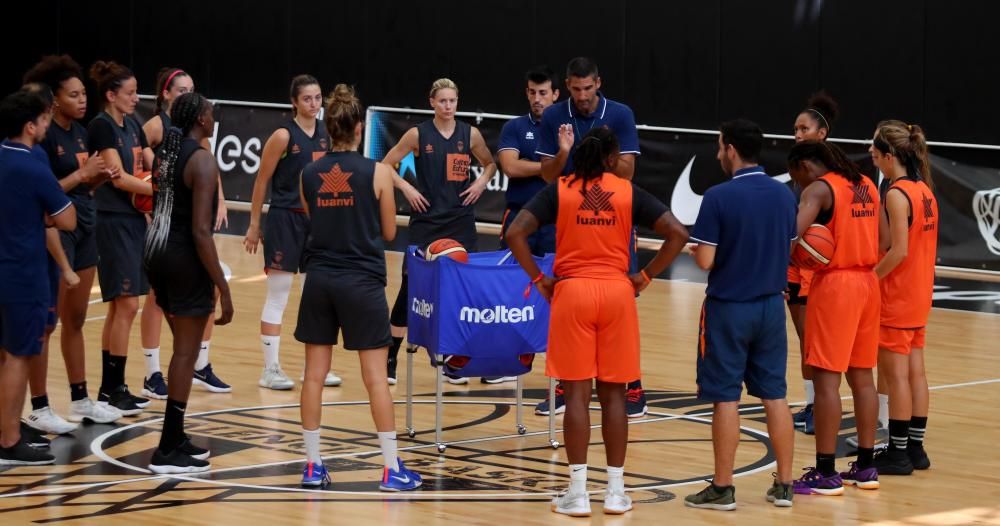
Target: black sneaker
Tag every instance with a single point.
(22, 454)
(188, 448)
(918, 457)
(33, 437)
(206, 378)
(390, 369)
(139, 401)
(892, 462)
(635, 403)
(177, 462)
(560, 406)
(122, 400)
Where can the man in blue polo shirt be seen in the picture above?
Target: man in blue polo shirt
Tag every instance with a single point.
(585, 109)
(745, 230)
(30, 197)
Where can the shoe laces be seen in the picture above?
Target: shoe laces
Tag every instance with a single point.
(812, 474)
(634, 395)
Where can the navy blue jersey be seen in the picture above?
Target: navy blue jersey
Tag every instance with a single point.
(129, 141)
(613, 115)
(301, 150)
(521, 136)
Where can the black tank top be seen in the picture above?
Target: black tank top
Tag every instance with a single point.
(167, 123)
(345, 229)
(183, 209)
(67, 150)
(129, 146)
(443, 173)
(301, 150)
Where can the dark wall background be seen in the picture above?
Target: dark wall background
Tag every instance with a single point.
(677, 62)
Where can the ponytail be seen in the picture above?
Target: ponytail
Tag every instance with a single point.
(590, 160)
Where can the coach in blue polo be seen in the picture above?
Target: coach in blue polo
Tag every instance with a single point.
(744, 232)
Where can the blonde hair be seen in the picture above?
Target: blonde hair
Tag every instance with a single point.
(444, 83)
(909, 144)
(343, 113)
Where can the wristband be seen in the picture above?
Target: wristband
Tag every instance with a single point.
(527, 290)
(645, 276)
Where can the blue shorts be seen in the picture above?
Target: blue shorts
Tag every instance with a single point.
(541, 242)
(742, 342)
(22, 327)
(54, 276)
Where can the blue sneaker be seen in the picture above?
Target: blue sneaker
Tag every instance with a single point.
(400, 479)
(154, 387)
(542, 408)
(206, 378)
(799, 419)
(315, 475)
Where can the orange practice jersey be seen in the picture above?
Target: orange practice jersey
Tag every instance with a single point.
(593, 231)
(907, 290)
(854, 223)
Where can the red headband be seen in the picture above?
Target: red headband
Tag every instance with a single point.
(166, 85)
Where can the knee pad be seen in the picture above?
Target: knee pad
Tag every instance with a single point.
(279, 284)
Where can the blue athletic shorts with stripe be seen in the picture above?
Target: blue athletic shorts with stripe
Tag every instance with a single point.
(742, 342)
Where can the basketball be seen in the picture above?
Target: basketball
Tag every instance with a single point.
(143, 203)
(815, 249)
(446, 247)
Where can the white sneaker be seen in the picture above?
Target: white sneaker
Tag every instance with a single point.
(331, 380)
(616, 502)
(455, 380)
(87, 409)
(274, 378)
(572, 504)
(46, 421)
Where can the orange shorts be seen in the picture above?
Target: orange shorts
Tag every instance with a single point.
(593, 331)
(901, 341)
(842, 320)
(802, 277)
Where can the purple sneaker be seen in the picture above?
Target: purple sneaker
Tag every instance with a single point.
(862, 478)
(814, 483)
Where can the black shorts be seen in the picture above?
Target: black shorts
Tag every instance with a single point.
(22, 326)
(337, 301)
(793, 294)
(120, 241)
(183, 286)
(80, 246)
(285, 234)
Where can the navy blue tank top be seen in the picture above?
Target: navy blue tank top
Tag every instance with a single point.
(301, 150)
(442, 175)
(181, 214)
(129, 143)
(67, 150)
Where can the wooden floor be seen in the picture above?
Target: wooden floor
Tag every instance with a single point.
(257, 452)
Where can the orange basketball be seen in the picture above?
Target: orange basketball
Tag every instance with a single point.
(143, 203)
(815, 249)
(446, 247)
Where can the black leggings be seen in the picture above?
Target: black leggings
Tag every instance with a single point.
(399, 314)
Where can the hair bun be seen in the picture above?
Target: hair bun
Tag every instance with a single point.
(342, 93)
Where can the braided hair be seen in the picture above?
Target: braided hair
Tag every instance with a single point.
(590, 159)
(827, 154)
(184, 114)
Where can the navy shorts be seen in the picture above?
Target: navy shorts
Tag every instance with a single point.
(351, 302)
(54, 276)
(121, 239)
(742, 342)
(80, 246)
(285, 233)
(541, 241)
(22, 327)
(183, 286)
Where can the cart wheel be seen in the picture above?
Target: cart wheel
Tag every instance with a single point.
(411, 433)
(554, 444)
(441, 448)
(521, 429)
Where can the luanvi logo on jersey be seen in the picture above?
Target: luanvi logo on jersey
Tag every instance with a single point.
(862, 197)
(929, 223)
(422, 308)
(497, 314)
(595, 202)
(335, 184)
(986, 207)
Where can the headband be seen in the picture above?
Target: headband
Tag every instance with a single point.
(825, 122)
(166, 85)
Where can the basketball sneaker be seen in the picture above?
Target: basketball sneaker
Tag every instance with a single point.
(815, 483)
(616, 502)
(176, 462)
(400, 479)
(713, 498)
(33, 437)
(493, 380)
(862, 478)
(154, 386)
(274, 378)
(635, 402)
(454, 379)
(88, 410)
(332, 380)
(206, 378)
(138, 400)
(892, 462)
(188, 448)
(315, 476)
(22, 454)
(543, 407)
(574, 504)
(799, 419)
(46, 421)
(780, 494)
(881, 438)
(390, 369)
(918, 456)
(121, 400)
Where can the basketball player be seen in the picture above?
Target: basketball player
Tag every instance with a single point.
(517, 157)
(287, 151)
(843, 311)
(442, 204)
(812, 124)
(594, 325)
(171, 83)
(742, 337)
(66, 154)
(587, 108)
(31, 200)
(350, 201)
(906, 271)
(117, 137)
(184, 267)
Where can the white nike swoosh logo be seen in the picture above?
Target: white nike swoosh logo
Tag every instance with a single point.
(685, 202)
(404, 479)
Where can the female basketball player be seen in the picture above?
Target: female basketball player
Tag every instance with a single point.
(594, 325)
(842, 314)
(184, 267)
(442, 205)
(117, 137)
(812, 124)
(911, 217)
(171, 83)
(350, 201)
(287, 151)
(78, 173)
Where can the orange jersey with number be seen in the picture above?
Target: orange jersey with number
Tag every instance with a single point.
(854, 223)
(907, 291)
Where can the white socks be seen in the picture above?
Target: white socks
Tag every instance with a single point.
(152, 361)
(883, 410)
(202, 360)
(387, 441)
(810, 392)
(616, 479)
(578, 478)
(311, 439)
(269, 345)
